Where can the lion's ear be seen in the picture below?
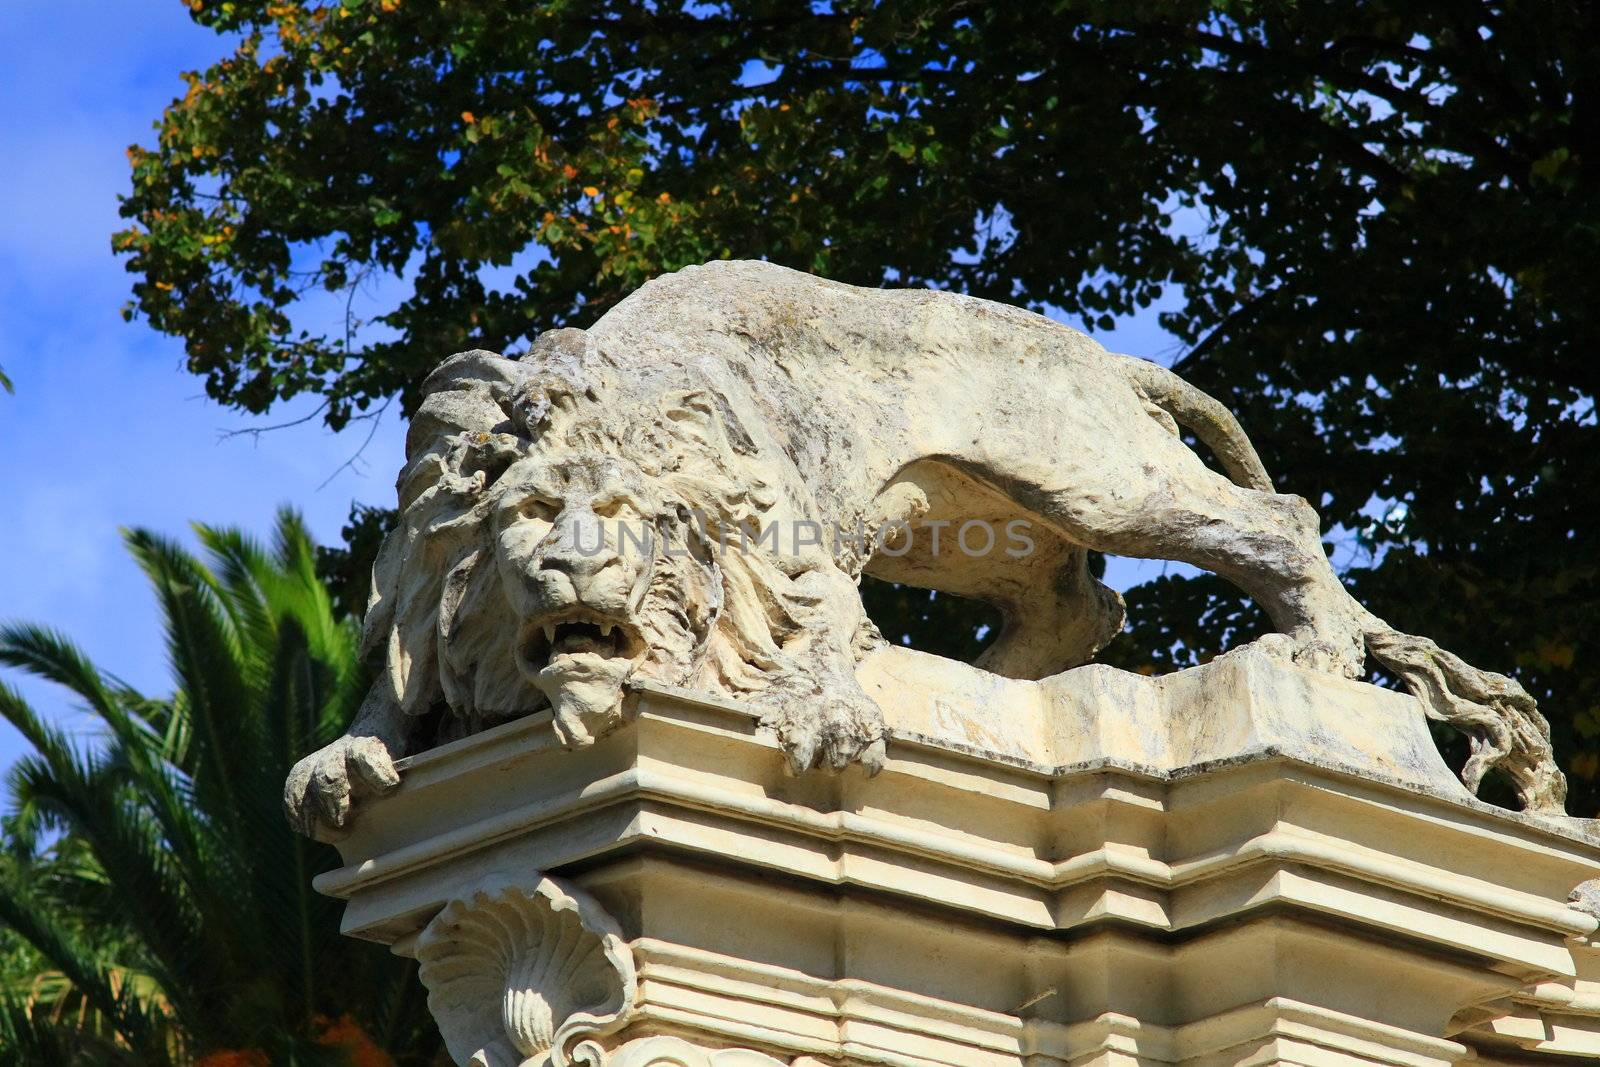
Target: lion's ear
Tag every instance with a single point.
(463, 395)
(559, 348)
(706, 415)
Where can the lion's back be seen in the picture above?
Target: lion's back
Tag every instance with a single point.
(751, 312)
(846, 375)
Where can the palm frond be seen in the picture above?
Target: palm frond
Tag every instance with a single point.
(89, 795)
(185, 906)
(333, 640)
(244, 576)
(51, 655)
(30, 1039)
(208, 665)
(20, 910)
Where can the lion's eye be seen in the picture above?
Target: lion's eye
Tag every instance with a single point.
(534, 507)
(611, 508)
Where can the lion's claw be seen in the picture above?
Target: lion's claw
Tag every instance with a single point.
(318, 795)
(849, 728)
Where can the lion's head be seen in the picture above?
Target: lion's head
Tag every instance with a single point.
(557, 538)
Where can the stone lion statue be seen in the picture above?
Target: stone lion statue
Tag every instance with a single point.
(690, 490)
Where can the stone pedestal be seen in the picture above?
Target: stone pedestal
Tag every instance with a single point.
(1240, 863)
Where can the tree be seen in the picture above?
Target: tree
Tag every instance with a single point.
(151, 875)
(1379, 221)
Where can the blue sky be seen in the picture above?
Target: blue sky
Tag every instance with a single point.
(107, 429)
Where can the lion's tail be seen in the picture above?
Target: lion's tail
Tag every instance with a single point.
(1501, 721)
(1210, 421)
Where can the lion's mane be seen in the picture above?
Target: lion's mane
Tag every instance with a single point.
(439, 628)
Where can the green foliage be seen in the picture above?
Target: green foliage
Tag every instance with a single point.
(163, 908)
(1380, 220)
(938, 623)
(347, 571)
(29, 1038)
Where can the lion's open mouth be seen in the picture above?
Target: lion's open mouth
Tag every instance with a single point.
(574, 637)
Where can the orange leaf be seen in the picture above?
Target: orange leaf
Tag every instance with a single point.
(235, 1058)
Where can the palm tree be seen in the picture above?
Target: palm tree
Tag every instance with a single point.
(151, 873)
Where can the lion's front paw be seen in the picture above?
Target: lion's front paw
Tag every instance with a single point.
(830, 730)
(318, 794)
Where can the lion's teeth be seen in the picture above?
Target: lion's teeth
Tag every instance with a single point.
(605, 629)
(550, 632)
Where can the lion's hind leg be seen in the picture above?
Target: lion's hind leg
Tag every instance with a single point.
(1502, 722)
(1170, 506)
(1140, 492)
(1056, 620)
(1055, 614)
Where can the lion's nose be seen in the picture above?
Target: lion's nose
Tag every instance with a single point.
(581, 553)
(576, 565)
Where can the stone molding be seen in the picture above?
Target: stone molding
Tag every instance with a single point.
(517, 975)
(1004, 882)
(1223, 913)
(857, 1022)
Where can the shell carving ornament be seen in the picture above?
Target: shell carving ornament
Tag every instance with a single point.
(667, 1051)
(516, 976)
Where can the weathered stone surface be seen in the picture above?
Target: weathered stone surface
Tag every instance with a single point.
(850, 427)
(1244, 705)
(965, 907)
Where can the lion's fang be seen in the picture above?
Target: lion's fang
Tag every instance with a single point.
(550, 632)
